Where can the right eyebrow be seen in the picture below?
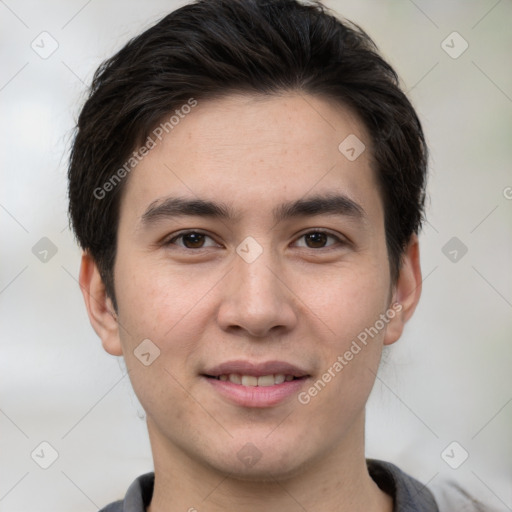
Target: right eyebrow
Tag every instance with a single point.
(180, 207)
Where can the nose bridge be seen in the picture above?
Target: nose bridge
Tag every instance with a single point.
(255, 299)
(258, 277)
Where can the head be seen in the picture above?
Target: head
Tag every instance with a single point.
(247, 183)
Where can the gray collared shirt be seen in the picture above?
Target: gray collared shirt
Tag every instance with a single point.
(408, 494)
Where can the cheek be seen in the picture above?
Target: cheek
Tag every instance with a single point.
(347, 299)
(351, 308)
(162, 307)
(157, 301)
(340, 390)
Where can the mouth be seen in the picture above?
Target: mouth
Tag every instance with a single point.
(250, 384)
(255, 381)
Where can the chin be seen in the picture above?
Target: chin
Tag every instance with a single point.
(270, 462)
(262, 471)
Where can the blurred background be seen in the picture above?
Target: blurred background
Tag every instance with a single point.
(442, 404)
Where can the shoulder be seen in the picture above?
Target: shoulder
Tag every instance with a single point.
(409, 495)
(451, 496)
(137, 498)
(117, 506)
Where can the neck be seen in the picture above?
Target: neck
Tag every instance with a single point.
(337, 481)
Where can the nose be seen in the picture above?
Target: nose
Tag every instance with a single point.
(257, 299)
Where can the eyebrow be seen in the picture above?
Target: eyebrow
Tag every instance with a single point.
(331, 204)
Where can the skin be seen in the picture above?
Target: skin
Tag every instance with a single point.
(300, 301)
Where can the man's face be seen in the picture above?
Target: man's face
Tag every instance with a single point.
(267, 291)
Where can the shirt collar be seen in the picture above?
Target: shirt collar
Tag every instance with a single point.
(408, 494)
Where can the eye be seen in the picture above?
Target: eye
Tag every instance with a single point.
(318, 239)
(191, 240)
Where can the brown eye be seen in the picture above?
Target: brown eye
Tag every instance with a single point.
(316, 240)
(319, 240)
(191, 240)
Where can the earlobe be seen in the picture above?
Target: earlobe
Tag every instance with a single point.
(407, 291)
(99, 306)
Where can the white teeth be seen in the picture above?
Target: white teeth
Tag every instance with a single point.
(251, 380)
(279, 378)
(234, 378)
(266, 380)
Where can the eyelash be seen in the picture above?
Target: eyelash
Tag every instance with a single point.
(339, 240)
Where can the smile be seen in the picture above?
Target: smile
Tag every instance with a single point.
(251, 380)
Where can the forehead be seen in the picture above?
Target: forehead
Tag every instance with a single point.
(265, 148)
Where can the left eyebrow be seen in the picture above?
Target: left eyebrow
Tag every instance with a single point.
(330, 204)
(320, 205)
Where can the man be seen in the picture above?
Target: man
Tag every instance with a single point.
(247, 183)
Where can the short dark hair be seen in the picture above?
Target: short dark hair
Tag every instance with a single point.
(211, 48)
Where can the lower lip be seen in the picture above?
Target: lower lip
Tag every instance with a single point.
(257, 396)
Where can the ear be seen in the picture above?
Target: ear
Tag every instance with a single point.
(99, 306)
(407, 291)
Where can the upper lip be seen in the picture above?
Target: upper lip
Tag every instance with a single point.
(242, 367)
